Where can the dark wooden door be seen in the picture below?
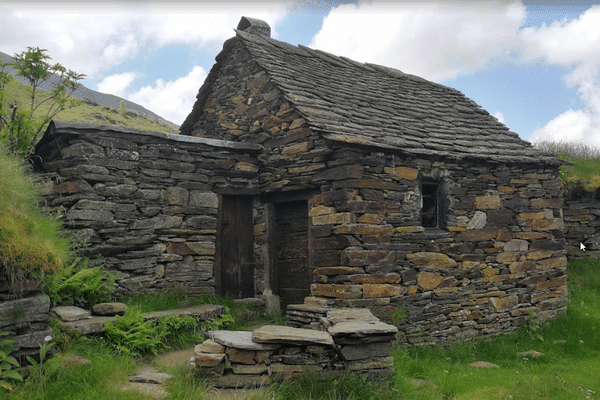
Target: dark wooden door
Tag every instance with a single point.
(293, 274)
(236, 247)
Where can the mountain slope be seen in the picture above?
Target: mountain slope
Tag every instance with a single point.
(95, 99)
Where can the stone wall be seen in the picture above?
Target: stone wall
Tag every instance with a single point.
(145, 201)
(240, 102)
(24, 316)
(500, 258)
(582, 223)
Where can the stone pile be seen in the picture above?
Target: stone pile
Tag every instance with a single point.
(349, 340)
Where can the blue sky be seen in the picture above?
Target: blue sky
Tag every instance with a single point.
(535, 65)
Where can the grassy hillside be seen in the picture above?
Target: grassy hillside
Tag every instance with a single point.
(85, 111)
(585, 171)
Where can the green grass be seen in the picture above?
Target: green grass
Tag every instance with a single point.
(31, 241)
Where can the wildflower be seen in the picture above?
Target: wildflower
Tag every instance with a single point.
(48, 338)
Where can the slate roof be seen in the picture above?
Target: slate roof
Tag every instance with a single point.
(370, 104)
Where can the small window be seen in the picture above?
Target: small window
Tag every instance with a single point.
(430, 210)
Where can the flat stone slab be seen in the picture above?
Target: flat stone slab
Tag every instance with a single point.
(109, 309)
(201, 312)
(351, 314)
(359, 328)
(209, 346)
(90, 326)
(70, 313)
(240, 340)
(312, 308)
(286, 334)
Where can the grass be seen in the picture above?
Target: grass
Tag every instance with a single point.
(569, 368)
(30, 240)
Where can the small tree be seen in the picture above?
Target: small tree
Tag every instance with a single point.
(34, 66)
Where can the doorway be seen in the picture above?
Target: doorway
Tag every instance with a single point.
(235, 274)
(291, 272)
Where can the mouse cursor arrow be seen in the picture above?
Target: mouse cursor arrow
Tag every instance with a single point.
(581, 246)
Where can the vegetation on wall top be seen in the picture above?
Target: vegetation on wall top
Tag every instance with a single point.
(584, 174)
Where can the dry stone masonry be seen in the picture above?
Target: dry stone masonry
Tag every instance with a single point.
(582, 221)
(145, 201)
(307, 178)
(349, 340)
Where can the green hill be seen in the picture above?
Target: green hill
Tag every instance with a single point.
(86, 111)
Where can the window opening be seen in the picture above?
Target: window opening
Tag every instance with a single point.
(430, 208)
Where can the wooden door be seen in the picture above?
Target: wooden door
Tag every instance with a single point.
(292, 270)
(236, 247)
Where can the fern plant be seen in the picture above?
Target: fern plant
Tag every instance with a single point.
(7, 363)
(80, 284)
(133, 336)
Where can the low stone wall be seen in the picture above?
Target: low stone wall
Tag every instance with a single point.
(348, 340)
(582, 224)
(25, 319)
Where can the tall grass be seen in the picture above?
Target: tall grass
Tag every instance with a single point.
(575, 150)
(31, 241)
(585, 171)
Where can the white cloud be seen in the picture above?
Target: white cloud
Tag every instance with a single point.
(572, 126)
(93, 37)
(437, 41)
(172, 100)
(499, 116)
(571, 43)
(117, 84)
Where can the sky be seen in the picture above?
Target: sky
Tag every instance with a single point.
(534, 65)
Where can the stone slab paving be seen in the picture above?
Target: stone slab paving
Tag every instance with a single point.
(149, 381)
(359, 328)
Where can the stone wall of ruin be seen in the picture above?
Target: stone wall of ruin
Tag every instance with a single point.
(582, 223)
(145, 201)
(501, 257)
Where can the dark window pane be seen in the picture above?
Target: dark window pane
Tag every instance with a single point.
(429, 213)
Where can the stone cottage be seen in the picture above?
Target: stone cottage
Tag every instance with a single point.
(307, 175)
